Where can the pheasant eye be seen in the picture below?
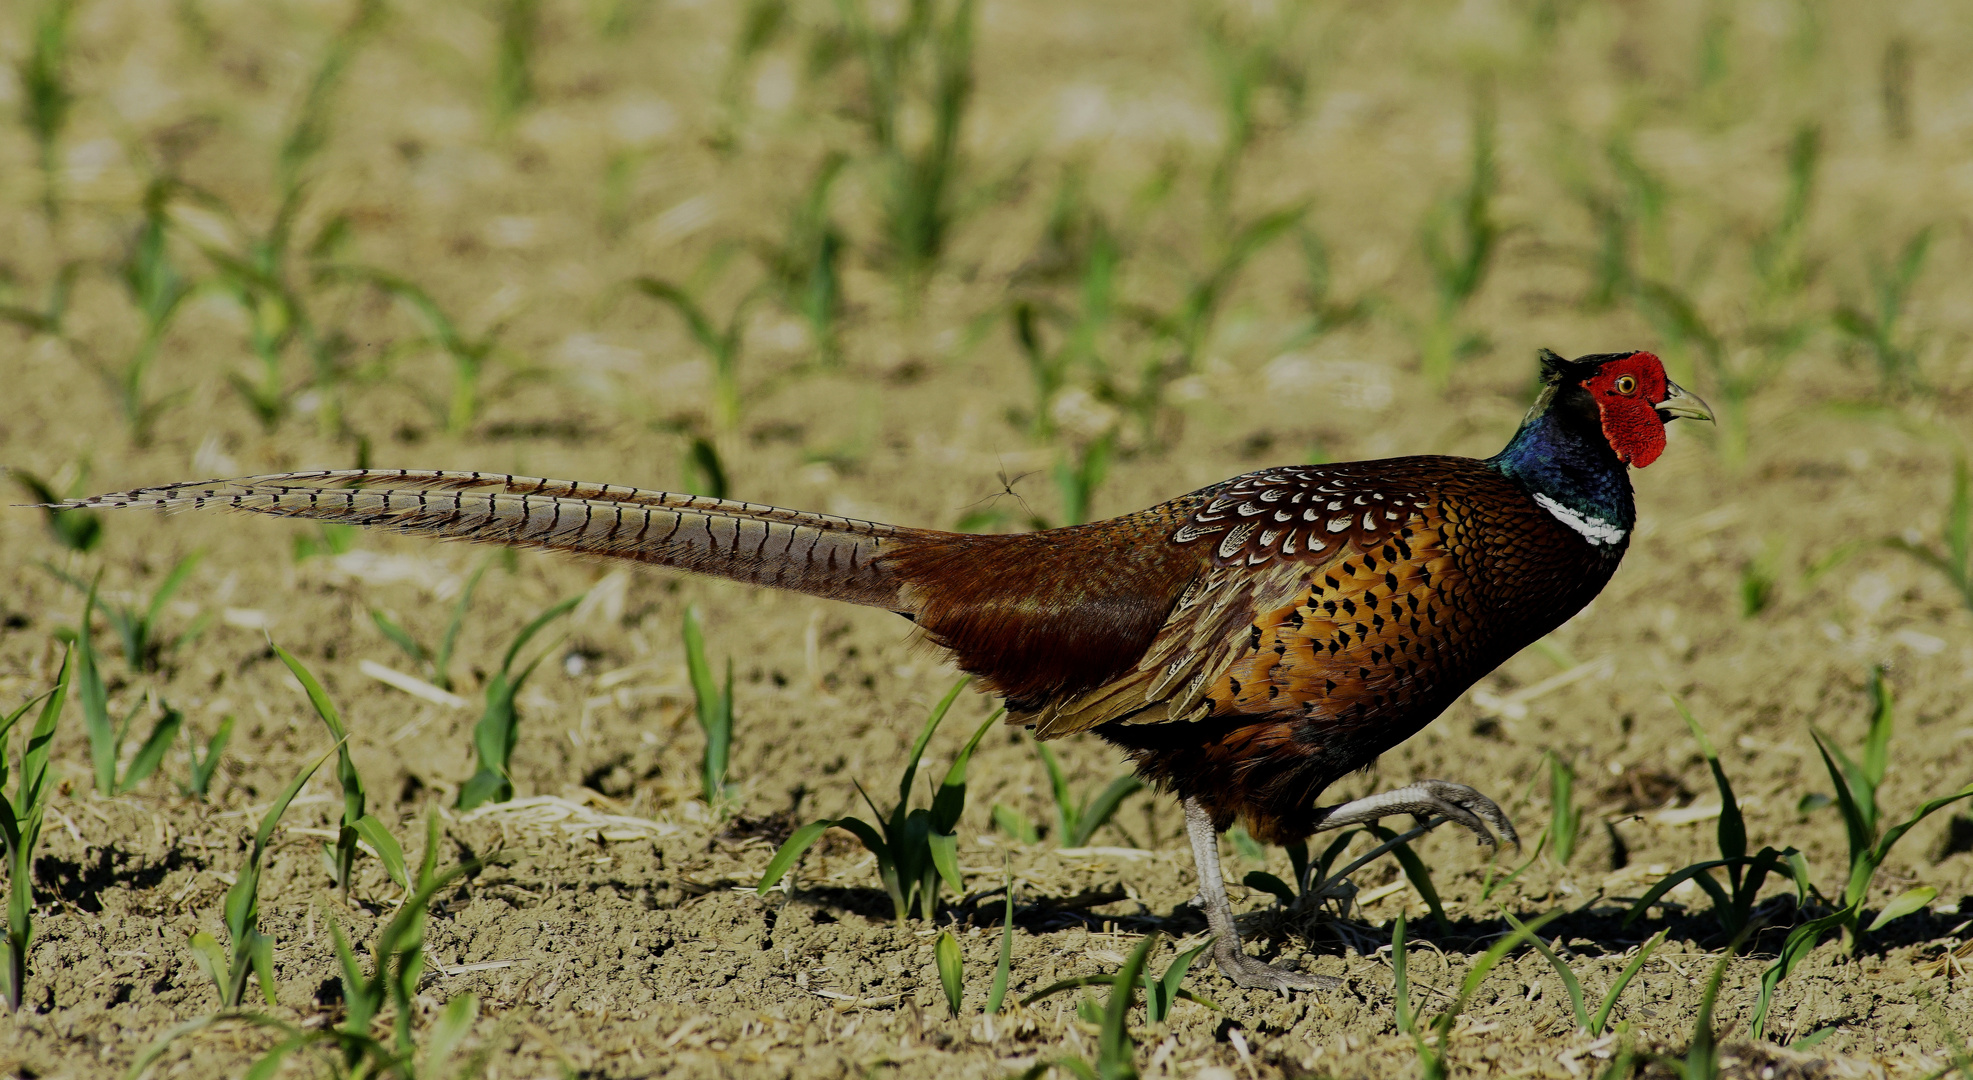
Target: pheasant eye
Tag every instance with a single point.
(1626, 385)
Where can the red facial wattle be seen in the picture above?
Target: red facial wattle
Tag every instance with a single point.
(1627, 392)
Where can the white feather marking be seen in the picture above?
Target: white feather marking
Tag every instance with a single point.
(1593, 529)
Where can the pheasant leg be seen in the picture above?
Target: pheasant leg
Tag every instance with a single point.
(1426, 799)
(1235, 964)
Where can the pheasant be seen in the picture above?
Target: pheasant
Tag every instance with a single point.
(1246, 645)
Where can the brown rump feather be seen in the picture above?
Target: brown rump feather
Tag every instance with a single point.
(1046, 615)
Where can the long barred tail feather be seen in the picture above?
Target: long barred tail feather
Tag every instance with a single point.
(834, 557)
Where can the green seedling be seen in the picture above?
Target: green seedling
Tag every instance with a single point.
(457, 409)
(53, 312)
(1250, 60)
(1733, 902)
(952, 970)
(248, 952)
(1325, 312)
(398, 960)
(1161, 992)
(715, 712)
(1702, 1054)
(1114, 1046)
(1564, 816)
(340, 859)
(1954, 558)
(722, 345)
(1076, 821)
(1015, 824)
(1857, 782)
(513, 60)
(1593, 1024)
(20, 826)
(1078, 473)
(499, 726)
(1879, 330)
(75, 530)
(761, 25)
(1459, 238)
(1186, 329)
(46, 96)
(1077, 331)
(158, 290)
(1780, 262)
(919, 200)
(1318, 884)
(256, 269)
(917, 850)
(143, 648)
(202, 766)
(1431, 1039)
(997, 993)
(350, 1050)
(106, 737)
(436, 666)
(1495, 880)
(1760, 580)
(704, 472)
(326, 539)
(805, 266)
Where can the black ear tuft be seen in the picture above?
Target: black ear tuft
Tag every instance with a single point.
(1553, 366)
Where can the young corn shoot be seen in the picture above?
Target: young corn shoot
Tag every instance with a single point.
(1076, 821)
(1954, 559)
(1564, 816)
(1733, 902)
(1161, 992)
(721, 344)
(917, 850)
(997, 992)
(202, 766)
(499, 726)
(1431, 1039)
(1880, 330)
(1114, 1047)
(715, 713)
(350, 1049)
(74, 530)
(340, 859)
(248, 952)
(1857, 783)
(1592, 1024)
(43, 78)
(435, 665)
(106, 736)
(1458, 238)
(143, 648)
(952, 970)
(20, 826)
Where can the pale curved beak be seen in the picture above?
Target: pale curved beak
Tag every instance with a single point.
(1681, 402)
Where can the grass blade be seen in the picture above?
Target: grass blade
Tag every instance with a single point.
(1562, 969)
(952, 971)
(997, 993)
(1601, 1020)
(1102, 808)
(790, 850)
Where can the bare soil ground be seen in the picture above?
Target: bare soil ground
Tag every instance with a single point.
(626, 950)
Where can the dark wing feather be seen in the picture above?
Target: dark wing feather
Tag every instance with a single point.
(1336, 595)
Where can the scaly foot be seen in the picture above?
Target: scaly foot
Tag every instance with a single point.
(1248, 972)
(1427, 799)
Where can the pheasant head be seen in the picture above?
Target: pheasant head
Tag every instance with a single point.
(1597, 416)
